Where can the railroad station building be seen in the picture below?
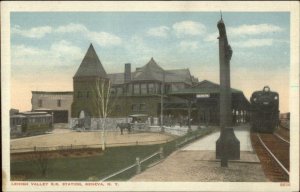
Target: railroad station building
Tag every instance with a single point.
(140, 91)
(143, 91)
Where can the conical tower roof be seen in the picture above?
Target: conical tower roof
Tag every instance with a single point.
(91, 65)
(150, 71)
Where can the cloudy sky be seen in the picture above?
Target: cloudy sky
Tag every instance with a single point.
(47, 48)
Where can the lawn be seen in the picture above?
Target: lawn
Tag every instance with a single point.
(112, 160)
(96, 167)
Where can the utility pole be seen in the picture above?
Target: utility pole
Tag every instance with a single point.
(162, 101)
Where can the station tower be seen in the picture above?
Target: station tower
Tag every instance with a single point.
(89, 75)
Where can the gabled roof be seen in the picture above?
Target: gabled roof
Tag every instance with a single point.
(153, 72)
(178, 75)
(150, 71)
(91, 65)
(206, 84)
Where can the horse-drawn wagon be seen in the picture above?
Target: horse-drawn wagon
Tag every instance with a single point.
(138, 123)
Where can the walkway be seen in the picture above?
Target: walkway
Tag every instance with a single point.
(197, 163)
(209, 142)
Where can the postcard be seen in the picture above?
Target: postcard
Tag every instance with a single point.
(150, 96)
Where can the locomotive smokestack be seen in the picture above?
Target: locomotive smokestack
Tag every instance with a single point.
(127, 73)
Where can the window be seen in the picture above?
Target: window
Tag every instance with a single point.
(40, 103)
(167, 88)
(136, 89)
(158, 87)
(151, 88)
(112, 91)
(143, 107)
(135, 107)
(118, 108)
(129, 88)
(119, 90)
(78, 94)
(143, 88)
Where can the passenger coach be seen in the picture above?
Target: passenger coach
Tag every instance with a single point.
(30, 123)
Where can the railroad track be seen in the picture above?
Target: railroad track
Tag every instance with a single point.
(283, 132)
(273, 152)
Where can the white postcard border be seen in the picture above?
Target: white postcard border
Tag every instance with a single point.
(264, 6)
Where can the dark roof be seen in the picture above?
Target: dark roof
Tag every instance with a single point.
(153, 72)
(91, 65)
(203, 87)
(116, 78)
(13, 111)
(179, 75)
(150, 71)
(194, 79)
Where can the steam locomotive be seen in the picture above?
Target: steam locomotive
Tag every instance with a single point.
(264, 110)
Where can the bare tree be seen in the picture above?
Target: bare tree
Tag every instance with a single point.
(41, 159)
(104, 102)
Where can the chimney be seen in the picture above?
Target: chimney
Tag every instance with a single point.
(127, 73)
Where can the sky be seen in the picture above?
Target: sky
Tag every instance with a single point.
(48, 47)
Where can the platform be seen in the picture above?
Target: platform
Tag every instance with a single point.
(209, 142)
(197, 163)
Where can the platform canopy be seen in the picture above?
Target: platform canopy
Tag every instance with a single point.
(207, 89)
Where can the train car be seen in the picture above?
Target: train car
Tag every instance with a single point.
(264, 110)
(31, 123)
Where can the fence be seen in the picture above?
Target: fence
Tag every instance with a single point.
(168, 148)
(72, 147)
(52, 148)
(176, 130)
(171, 130)
(137, 164)
(189, 138)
